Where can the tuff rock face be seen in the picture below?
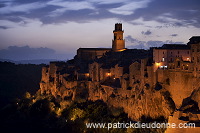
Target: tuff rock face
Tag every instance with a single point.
(165, 94)
(136, 102)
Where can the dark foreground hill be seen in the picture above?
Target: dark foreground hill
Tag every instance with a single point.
(15, 80)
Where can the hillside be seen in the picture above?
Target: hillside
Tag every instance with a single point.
(15, 80)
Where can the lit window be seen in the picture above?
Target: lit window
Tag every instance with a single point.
(163, 59)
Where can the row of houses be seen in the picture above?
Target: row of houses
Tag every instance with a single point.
(171, 57)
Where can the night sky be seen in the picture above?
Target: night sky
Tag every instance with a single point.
(42, 29)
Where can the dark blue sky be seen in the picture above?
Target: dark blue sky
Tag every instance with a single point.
(63, 26)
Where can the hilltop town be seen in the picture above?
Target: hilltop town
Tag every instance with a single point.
(159, 82)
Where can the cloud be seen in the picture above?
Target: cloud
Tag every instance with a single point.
(148, 32)
(174, 35)
(147, 44)
(4, 27)
(130, 7)
(107, 1)
(26, 8)
(130, 39)
(171, 13)
(69, 5)
(26, 53)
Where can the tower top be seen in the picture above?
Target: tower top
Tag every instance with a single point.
(118, 27)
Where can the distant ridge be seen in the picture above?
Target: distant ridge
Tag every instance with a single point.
(35, 61)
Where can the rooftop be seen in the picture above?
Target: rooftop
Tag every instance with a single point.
(174, 46)
(94, 49)
(194, 40)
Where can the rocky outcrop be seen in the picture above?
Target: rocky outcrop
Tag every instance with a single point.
(136, 102)
(145, 102)
(156, 95)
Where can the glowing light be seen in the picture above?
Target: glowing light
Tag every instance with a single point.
(87, 74)
(188, 59)
(108, 74)
(157, 64)
(121, 50)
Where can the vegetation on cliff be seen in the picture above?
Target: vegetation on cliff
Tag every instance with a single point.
(43, 113)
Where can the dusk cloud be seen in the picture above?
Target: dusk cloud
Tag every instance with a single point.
(11, 7)
(173, 12)
(174, 35)
(69, 5)
(4, 27)
(25, 53)
(148, 32)
(147, 44)
(129, 8)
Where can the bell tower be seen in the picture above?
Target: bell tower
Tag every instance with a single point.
(118, 43)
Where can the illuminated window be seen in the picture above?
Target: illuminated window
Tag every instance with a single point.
(163, 59)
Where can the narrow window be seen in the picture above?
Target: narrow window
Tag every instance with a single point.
(179, 63)
(163, 59)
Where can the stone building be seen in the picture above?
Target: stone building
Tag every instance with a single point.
(194, 43)
(118, 45)
(166, 54)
